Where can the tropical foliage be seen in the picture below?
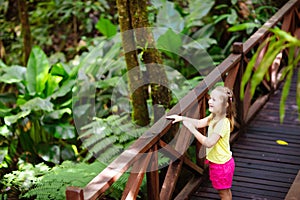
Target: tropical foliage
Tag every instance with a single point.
(278, 43)
(70, 101)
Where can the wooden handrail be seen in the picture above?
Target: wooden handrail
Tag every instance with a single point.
(230, 71)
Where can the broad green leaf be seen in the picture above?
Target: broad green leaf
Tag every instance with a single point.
(65, 131)
(233, 2)
(37, 104)
(218, 18)
(57, 114)
(60, 69)
(64, 89)
(205, 32)
(37, 71)
(14, 118)
(205, 43)
(242, 27)
(157, 3)
(106, 83)
(52, 84)
(198, 10)
(169, 17)
(169, 41)
(232, 18)
(13, 74)
(106, 27)
(4, 131)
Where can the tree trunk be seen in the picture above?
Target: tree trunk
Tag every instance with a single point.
(139, 100)
(24, 18)
(156, 75)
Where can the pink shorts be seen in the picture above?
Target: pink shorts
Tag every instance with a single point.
(221, 174)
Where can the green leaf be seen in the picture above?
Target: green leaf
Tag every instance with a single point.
(169, 17)
(170, 41)
(60, 69)
(242, 27)
(3, 153)
(284, 95)
(13, 74)
(232, 18)
(198, 10)
(107, 28)
(37, 104)
(5, 132)
(248, 72)
(203, 43)
(218, 18)
(64, 89)
(285, 36)
(64, 131)
(37, 71)
(106, 83)
(52, 84)
(14, 118)
(233, 2)
(57, 114)
(273, 50)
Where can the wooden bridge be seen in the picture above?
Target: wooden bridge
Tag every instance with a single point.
(265, 168)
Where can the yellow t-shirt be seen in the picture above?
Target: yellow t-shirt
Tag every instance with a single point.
(220, 153)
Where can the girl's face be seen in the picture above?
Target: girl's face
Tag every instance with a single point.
(216, 102)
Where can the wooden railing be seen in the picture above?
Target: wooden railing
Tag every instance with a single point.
(142, 156)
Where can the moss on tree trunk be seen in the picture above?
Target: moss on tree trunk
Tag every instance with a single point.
(139, 100)
(156, 75)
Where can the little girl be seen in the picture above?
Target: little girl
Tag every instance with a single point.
(220, 123)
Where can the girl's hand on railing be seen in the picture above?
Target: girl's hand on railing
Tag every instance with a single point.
(176, 118)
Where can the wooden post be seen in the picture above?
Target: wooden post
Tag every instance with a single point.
(74, 193)
(153, 176)
(200, 150)
(238, 49)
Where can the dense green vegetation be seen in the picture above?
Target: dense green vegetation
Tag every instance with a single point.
(67, 102)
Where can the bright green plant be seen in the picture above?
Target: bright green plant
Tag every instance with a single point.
(24, 178)
(39, 103)
(278, 43)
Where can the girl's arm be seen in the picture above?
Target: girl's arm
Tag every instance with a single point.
(206, 141)
(197, 123)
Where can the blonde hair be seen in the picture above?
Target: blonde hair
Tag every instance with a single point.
(228, 97)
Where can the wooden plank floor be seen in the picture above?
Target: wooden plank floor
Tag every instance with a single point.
(264, 170)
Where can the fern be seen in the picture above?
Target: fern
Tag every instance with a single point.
(53, 184)
(106, 138)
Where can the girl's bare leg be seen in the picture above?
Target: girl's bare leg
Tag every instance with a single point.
(225, 194)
